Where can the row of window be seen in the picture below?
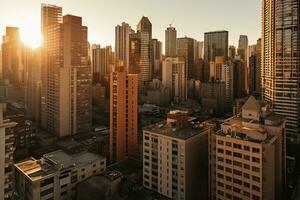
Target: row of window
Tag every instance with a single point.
(239, 146)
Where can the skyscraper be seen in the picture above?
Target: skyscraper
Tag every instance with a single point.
(199, 49)
(185, 49)
(102, 62)
(280, 61)
(122, 33)
(174, 78)
(215, 44)
(145, 25)
(255, 69)
(170, 42)
(66, 82)
(12, 57)
(157, 58)
(231, 52)
(123, 114)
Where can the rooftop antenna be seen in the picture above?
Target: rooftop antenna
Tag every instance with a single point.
(172, 22)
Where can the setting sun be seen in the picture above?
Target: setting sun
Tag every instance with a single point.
(31, 38)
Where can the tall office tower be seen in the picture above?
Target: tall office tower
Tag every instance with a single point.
(51, 18)
(6, 158)
(255, 69)
(239, 86)
(174, 78)
(215, 44)
(144, 29)
(280, 57)
(199, 50)
(175, 158)
(12, 57)
(32, 81)
(247, 156)
(134, 53)
(157, 58)
(231, 52)
(170, 42)
(122, 33)
(123, 114)
(102, 62)
(145, 25)
(223, 71)
(66, 79)
(243, 47)
(185, 49)
(140, 57)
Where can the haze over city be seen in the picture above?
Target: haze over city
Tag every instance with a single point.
(191, 18)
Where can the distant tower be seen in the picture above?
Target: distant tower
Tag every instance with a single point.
(122, 33)
(170, 42)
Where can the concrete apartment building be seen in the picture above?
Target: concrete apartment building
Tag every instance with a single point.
(175, 158)
(123, 114)
(55, 175)
(6, 156)
(247, 156)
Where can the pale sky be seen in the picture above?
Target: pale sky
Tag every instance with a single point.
(190, 17)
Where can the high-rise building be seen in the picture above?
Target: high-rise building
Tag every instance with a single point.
(215, 44)
(231, 52)
(247, 156)
(239, 73)
(157, 58)
(280, 56)
(185, 49)
(6, 158)
(66, 76)
(12, 67)
(102, 60)
(175, 158)
(199, 50)
(140, 57)
(145, 25)
(122, 33)
(255, 69)
(32, 81)
(170, 42)
(174, 78)
(123, 114)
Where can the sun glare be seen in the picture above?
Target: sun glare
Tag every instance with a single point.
(31, 39)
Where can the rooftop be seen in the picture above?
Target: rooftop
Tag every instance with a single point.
(66, 160)
(168, 129)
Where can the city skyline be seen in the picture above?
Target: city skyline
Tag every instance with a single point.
(101, 30)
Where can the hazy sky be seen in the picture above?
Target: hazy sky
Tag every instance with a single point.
(190, 17)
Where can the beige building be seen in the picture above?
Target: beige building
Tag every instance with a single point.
(123, 114)
(247, 156)
(56, 174)
(122, 44)
(175, 158)
(6, 156)
(174, 78)
(66, 96)
(170, 41)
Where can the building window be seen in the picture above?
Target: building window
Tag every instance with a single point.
(46, 192)
(255, 150)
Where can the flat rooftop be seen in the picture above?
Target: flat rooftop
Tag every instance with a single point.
(167, 129)
(66, 160)
(36, 169)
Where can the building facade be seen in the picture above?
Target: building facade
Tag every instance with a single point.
(280, 61)
(170, 42)
(247, 156)
(123, 114)
(174, 157)
(215, 44)
(66, 76)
